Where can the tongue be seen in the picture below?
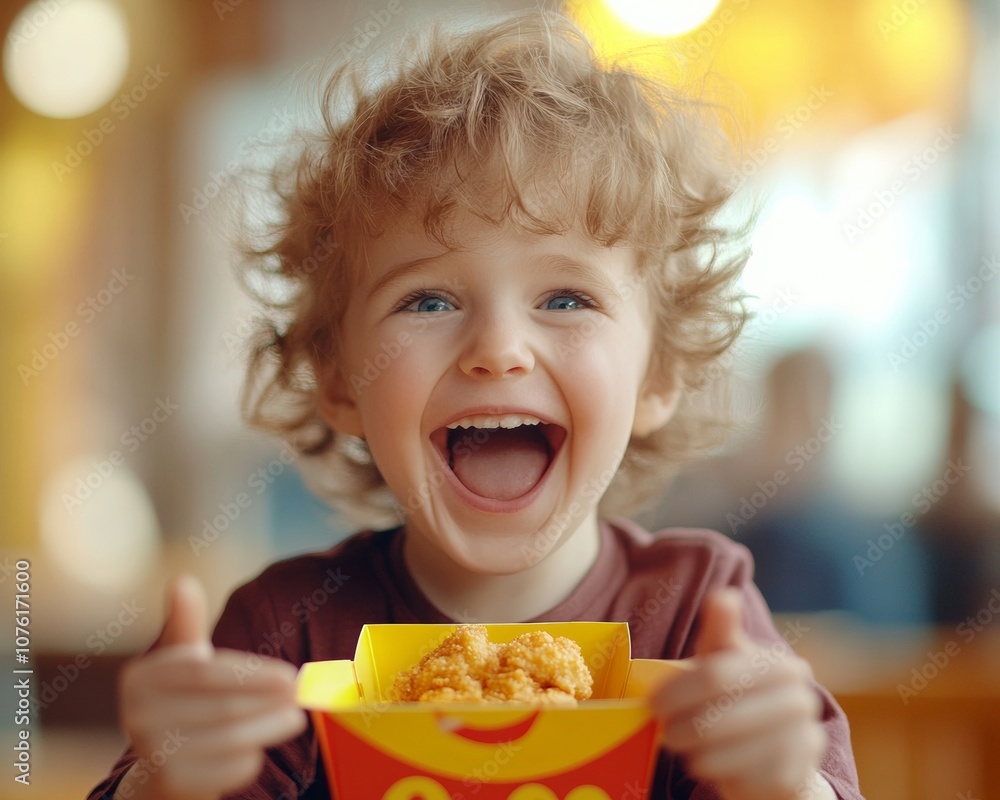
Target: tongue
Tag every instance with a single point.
(499, 463)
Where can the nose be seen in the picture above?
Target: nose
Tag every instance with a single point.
(497, 347)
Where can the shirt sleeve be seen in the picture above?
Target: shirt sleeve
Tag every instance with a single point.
(291, 770)
(105, 790)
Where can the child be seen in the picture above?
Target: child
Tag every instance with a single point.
(507, 283)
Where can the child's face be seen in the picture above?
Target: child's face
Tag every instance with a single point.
(509, 328)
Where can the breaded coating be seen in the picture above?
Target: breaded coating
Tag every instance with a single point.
(467, 668)
(551, 663)
(451, 672)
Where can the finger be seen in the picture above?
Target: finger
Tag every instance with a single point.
(780, 757)
(193, 712)
(187, 617)
(721, 623)
(227, 671)
(209, 778)
(252, 733)
(747, 716)
(717, 680)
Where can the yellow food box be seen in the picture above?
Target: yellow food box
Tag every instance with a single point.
(602, 749)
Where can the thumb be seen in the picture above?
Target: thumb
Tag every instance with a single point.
(721, 623)
(187, 616)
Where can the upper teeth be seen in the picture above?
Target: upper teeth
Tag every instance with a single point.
(482, 421)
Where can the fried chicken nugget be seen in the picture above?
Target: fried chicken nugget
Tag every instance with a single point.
(554, 667)
(453, 672)
(467, 667)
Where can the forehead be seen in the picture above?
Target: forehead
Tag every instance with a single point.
(407, 246)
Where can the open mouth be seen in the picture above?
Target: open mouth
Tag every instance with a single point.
(499, 457)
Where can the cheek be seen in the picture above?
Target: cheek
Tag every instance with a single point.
(608, 352)
(606, 385)
(400, 372)
(601, 386)
(390, 355)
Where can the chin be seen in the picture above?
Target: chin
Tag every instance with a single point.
(502, 557)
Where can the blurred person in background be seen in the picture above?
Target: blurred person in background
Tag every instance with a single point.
(810, 546)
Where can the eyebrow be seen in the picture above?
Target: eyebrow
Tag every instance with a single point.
(573, 268)
(562, 265)
(399, 272)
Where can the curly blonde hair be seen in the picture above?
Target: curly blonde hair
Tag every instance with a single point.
(521, 104)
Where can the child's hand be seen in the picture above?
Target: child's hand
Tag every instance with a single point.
(746, 717)
(201, 731)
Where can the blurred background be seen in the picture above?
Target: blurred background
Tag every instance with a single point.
(865, 471)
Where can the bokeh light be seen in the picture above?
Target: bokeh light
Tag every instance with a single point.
(663, 17)
(98, 524)
(66, 60)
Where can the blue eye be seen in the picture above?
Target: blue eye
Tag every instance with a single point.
(426, 303)
(564, 300)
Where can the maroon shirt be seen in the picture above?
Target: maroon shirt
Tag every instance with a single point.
(312, 608)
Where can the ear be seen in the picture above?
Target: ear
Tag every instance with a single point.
(654, 409)
(338, 406)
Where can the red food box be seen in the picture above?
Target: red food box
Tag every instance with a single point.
(602, 749)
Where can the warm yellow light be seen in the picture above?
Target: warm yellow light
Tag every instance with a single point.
(38, 245)
(875, 60)
(663, 17)
(66, 59)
